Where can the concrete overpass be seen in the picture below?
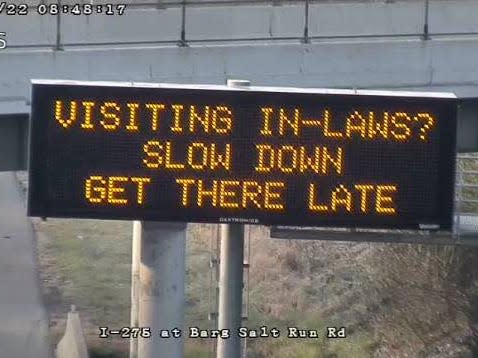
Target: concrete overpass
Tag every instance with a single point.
(419, 45)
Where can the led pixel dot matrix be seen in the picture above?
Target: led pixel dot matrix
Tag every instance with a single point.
(272, 156)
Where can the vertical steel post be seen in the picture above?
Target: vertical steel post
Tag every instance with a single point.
(58, 28)
(306, 39)
(231, 266)
(230, 289)
(135, 261)
(426, 35)
(460, 165)
(162, 276)
(182, 41)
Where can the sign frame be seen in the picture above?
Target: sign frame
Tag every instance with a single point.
(36, 211)
(425, 237)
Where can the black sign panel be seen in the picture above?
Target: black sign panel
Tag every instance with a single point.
(260, 155)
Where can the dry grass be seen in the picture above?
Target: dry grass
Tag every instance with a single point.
(306, 284)
(86, 263)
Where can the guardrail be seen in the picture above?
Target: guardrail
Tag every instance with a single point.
(210, 21)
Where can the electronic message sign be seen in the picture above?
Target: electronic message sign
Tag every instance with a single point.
(259, 155)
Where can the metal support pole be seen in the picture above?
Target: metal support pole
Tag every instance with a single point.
(231, 270)
(459, 197)
(58, 28)
(426, 35)
(230, 289)
(135, 263)
(247, 265)
(182, 41)
(162, 276)
(306, 23)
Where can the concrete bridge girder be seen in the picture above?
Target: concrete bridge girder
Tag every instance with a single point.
(442, 64)
(339, 64)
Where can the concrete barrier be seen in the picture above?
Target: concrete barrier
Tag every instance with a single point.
(73, 344)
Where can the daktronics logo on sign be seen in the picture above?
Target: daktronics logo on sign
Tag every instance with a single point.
(275, 156)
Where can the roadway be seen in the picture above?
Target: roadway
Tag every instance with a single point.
(24, 322)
